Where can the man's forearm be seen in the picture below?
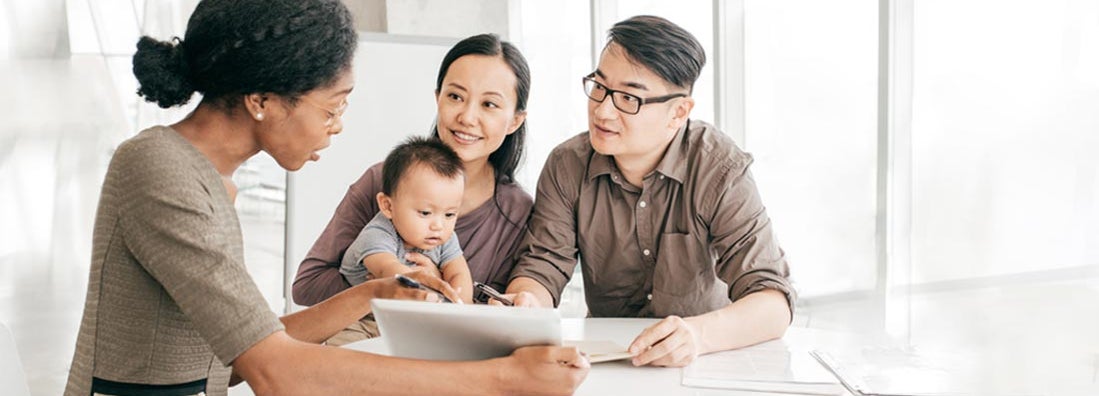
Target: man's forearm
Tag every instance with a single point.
(524, 284)
(755, 318)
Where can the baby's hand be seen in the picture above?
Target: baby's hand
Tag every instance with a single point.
(435, 283)
(424, 264)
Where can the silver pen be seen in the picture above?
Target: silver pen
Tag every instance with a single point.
(492, 293)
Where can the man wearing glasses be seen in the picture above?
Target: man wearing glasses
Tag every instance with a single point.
(661, 210)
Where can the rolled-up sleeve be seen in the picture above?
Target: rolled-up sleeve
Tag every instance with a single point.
(548, 251)
(749, 256)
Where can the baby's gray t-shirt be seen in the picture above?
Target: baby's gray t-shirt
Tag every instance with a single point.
(379, 236)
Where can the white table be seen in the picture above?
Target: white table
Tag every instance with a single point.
(622, 378)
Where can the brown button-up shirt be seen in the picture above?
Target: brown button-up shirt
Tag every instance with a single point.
(692, 239)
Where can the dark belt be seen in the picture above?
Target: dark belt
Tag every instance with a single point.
(112, 388)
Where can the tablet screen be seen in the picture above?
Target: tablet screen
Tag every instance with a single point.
(424, 330)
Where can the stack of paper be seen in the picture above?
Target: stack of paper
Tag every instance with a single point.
(761, 368)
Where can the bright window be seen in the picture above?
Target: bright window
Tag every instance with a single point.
(811, 108)
(1005, 170)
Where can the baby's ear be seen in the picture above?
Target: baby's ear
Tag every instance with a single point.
(385, 203)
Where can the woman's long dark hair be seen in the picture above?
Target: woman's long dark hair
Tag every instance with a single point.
(507, 157)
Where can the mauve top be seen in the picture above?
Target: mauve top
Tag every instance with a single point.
(489, 236)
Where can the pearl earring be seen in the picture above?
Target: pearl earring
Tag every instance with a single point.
(259, 116)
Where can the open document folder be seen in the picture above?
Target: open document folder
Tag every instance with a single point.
(767, 367)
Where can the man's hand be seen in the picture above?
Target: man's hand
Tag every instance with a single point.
(436, 283)
(671, 342)
(520, 299)
(526, 292)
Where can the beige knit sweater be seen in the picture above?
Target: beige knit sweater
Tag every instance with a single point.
(169, 299)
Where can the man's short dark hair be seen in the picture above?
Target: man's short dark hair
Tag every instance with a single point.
(429, 151)
(661, 46)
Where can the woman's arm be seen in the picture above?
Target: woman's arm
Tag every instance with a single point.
(322, 321)
(319, 275)
(317, 280)
(280, 364)
(515, 206)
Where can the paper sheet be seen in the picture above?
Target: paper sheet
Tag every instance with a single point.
(766, 370)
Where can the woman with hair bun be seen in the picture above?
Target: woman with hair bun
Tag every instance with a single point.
(171, 308)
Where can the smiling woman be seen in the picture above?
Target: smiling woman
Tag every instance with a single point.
(481, 92)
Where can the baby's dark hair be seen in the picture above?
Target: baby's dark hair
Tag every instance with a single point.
(234, 48)
(429, 151)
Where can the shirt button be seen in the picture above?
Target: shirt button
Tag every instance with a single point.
(645, 252)
(649, 297)
(642, 204)
(661, 177)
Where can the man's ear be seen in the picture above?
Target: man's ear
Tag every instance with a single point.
(385, 204)
(681, 111)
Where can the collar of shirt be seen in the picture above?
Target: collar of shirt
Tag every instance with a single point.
(672, 165)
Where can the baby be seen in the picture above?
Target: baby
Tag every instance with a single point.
(422, 187)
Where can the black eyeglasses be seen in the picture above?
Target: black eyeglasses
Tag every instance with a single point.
(624, 102)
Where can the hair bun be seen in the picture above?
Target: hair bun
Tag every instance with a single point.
(162, 72)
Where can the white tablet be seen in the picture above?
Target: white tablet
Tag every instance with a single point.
(439, 331)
